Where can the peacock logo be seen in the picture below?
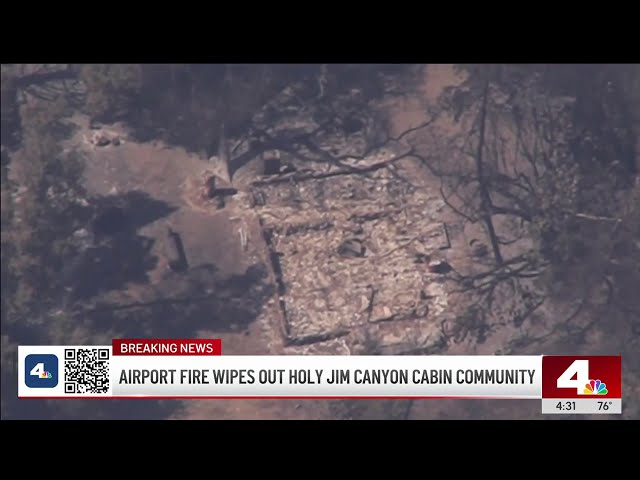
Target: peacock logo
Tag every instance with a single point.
(595, 387)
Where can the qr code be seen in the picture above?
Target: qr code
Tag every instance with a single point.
(86, 371)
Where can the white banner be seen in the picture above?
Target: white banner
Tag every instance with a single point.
(93, 371)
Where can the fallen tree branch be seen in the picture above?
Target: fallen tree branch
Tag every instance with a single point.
(347, 170)
(596, 218)
(399, 247)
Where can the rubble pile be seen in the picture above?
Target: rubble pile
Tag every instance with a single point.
(356, 251)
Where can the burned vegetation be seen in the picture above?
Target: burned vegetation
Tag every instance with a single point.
(504, 221)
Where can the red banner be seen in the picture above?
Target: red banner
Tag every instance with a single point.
(581, 377)
(193, 346)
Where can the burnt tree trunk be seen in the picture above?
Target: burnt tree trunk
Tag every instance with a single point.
(223, 155)
(483, 181)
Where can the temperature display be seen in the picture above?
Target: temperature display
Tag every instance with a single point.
(583, 406)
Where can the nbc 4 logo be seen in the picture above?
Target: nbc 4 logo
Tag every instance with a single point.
(577, 376)
(41, 371)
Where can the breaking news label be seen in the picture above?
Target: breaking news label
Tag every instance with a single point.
(196, 368)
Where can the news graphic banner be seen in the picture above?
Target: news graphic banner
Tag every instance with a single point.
(197, 369)
(589, 385)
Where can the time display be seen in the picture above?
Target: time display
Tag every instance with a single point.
(581, 406)
(566, 406)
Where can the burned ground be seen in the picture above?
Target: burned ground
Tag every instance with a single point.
(342, 246)
(344, 272)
